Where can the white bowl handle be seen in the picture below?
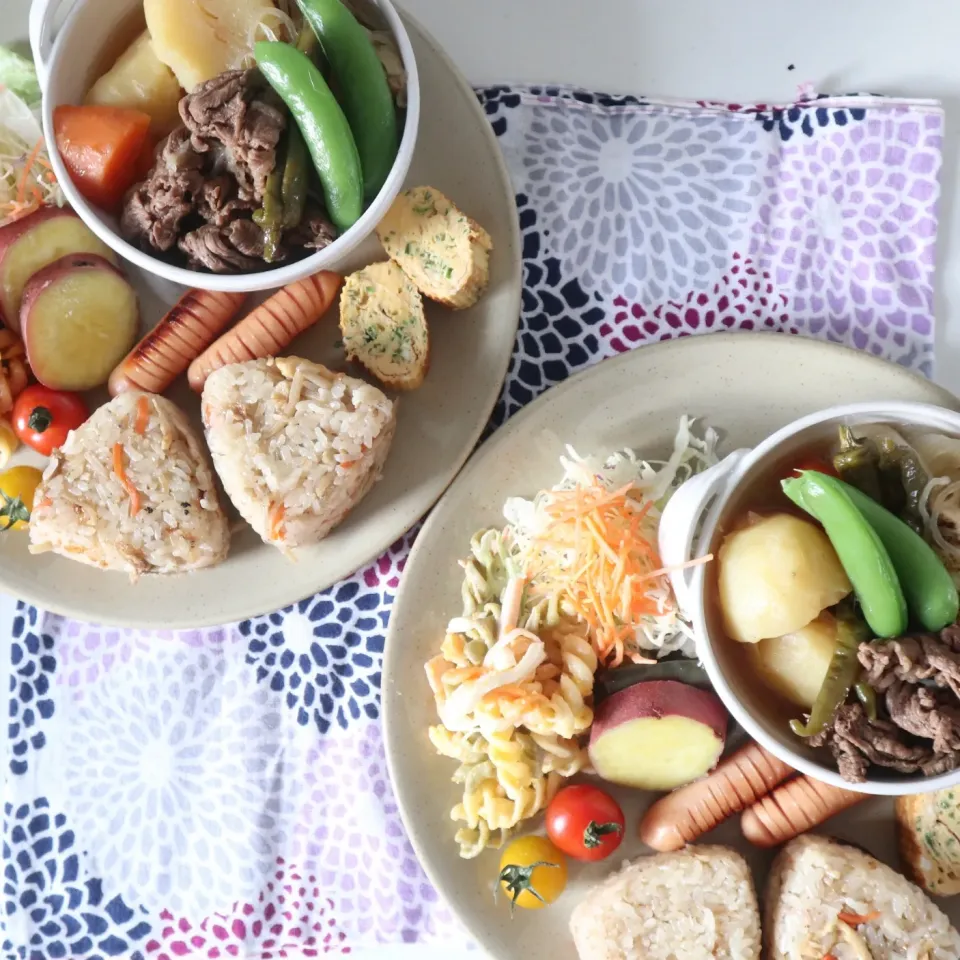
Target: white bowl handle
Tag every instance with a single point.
(681, 518)
(43, 13)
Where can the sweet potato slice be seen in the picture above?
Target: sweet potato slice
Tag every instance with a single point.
(30, 244)
(79, 317)
(657, 735)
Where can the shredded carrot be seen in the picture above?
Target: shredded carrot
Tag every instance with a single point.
(31, 160)
(599, 548)
(829, 956)
(143, 416)
(120, 470)
(855, 919)
(275, 517)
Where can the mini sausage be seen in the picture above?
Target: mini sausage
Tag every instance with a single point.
(270, 327)
(686, 814)
(190, 326)
(792, 809)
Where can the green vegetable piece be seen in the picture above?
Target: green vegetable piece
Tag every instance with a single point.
(841, 675)
(927, 585)
(868, 697)
(296, 176)
(19, 75)
(914, 479)
(861, 551)
(323, 125)
(270, 217)
(362, 83)
(892, 494)
(857, 463)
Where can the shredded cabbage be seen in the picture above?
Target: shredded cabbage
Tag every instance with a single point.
(26, 180)
(656, 480)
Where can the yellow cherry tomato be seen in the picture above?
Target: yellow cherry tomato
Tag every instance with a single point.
(17, 487)
(533, 872)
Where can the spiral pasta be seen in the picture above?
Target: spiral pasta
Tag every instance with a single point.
(512, 728)
(14, 373)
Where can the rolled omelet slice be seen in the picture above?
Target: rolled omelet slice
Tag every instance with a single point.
(383, 325)
(444, 252)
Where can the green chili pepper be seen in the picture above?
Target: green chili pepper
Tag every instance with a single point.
(914, 479)
(841, 674)
(856, 462)
(892, 494)
(929, 589)
(868, 697)
(270, 216)
(362, 83)
(861, 551)
(295, 177)
(323, 125)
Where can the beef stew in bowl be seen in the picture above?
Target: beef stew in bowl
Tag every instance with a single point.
(827, 618)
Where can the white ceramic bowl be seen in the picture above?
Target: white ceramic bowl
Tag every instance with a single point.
(690, 527)
(67, 65)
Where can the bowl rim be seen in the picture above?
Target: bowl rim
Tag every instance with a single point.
(921, 414)
(326, 258)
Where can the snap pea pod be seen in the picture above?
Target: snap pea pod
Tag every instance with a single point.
(841, 675)
(929, 589)
(362, 84)
(861, 551)
(324, 127)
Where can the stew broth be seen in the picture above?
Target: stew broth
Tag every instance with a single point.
(759, 493)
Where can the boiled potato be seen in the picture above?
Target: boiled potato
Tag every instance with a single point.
(200, 39)
(139, 81)
(795, 664)
(775, 576)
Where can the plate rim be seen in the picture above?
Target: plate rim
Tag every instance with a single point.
(392, 644)
(513, 288)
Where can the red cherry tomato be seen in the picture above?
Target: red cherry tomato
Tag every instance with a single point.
(42, 417)
(819, 464)
(585, 822)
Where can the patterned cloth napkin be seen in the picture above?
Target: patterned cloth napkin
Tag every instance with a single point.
(223, 792)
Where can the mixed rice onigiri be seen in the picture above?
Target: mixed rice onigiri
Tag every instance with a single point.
(131, 490)
(296, 445)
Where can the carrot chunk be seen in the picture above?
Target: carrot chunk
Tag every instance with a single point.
(100, 147)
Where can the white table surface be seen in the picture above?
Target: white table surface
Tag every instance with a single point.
(736, 50)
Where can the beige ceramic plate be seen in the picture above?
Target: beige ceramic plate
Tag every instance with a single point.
(746, 385)
(438, 424)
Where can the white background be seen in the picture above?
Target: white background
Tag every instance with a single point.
(715, 49)
(736, 50)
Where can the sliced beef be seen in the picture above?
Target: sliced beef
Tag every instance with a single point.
(918, 726)
(154, 210)
(314, 232)
(927, 713)
(225, 117)
(245, 237)
(914, 660)
(222, 249)
(210, 176)
(856, 742)
(218, 202)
